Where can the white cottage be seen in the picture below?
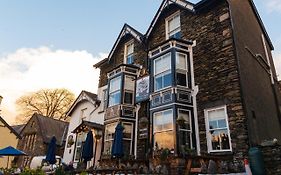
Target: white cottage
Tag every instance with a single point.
(85, 115)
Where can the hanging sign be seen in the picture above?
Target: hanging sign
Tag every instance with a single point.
(142, 89)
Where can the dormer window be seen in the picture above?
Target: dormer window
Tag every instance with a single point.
(129, 53)
(173, 26)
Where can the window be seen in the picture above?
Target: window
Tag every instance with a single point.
(109, 136)
(217, 129)
(173, 27)
(79, 146)
(127, 137)
(185, 138)
(162, 72)
(115, 91)
(129, 53)
(163, 129)
(181, 69)
(129, 87)
(83, 115)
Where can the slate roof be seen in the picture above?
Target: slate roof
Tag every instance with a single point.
(51, 127)
(18, 128)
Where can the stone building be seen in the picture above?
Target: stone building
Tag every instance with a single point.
(201, 80)
(37, 134)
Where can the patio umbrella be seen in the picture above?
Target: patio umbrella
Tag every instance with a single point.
(87, 152)
(11, 151)
(117, 147)
(51, 153)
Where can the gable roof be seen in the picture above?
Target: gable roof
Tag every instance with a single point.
(50, 127)
(18, 128)
(84, 95)
(127, 29)
(165, 3)
(9, 127)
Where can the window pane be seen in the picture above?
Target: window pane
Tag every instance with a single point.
(114, 98)
(164, 140)
(130, 59)
(181, 61)
(115, 84)
(216, 114)
(220, 140)
(130, 48)
(213, 124)
(181, 79)
(158, 82)
(167, 80)
(127, 147)
(128, 98)
(163, 121)
(107, 147)
(162, 64)
(222, 123)
(184, 141)
(127, 130)
(129, 83)
(183, 114)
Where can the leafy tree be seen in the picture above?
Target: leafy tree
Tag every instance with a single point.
(52, 103)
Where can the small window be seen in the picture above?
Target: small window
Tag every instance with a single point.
(129, 53)
(128, 97)
(173, 27)
(104, 98)
(167, 97)
(156, 100)
(217, 128)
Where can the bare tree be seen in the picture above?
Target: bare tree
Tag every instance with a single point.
(53, 103)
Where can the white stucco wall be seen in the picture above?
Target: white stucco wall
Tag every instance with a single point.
(92, 114)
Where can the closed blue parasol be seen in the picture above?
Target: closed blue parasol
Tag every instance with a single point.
(51, 153)
(87, 152)
(117, 147)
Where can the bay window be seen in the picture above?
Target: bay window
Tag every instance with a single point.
(163, 129)
(218, 135)
(181, 69)
(114, 91)
(162, 72)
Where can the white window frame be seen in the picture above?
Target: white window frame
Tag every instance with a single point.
(129, 90)
(161, 73)
(82, 135)
(167, 20)
(82, 113)
(131, 42)
(208, 135)
(111, 140)
(190, 125)
(165, 130)
(116, 91)
(183, 71)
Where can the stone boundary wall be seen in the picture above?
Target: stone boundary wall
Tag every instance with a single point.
(272, 159)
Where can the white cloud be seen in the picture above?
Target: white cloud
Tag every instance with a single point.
(30, 69)
(273, 5)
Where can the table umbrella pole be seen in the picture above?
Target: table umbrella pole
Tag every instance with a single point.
(8, 163)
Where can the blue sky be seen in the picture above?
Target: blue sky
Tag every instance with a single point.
(54, 43)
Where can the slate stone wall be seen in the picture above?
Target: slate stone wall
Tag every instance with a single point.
(215, 68)
(272, 159)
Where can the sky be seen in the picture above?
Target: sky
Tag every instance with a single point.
(54, 44)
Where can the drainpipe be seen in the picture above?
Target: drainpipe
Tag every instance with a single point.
(136, 131)
(194, 94)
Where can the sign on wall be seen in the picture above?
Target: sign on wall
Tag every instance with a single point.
(142, 89)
